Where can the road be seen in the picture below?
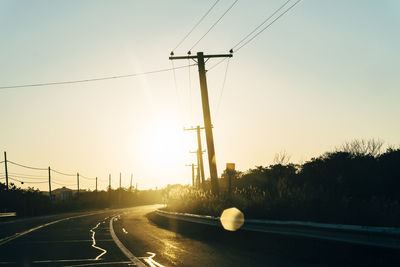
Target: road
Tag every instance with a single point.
(138, 237)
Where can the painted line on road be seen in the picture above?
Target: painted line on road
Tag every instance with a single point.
(124, 250)
(149, 260)
(103, 251)
(17, 235)
(99, 263)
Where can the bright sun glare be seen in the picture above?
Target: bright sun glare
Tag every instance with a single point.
(165, 147)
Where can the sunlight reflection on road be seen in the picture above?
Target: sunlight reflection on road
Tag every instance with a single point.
(150, 261)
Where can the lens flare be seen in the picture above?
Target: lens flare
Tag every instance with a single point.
(232, 219)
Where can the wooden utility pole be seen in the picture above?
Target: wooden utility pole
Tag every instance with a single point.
(191, 165)
(130, 187)
(119, 181)
(199, 154)
(77, 179)
(206, 113)
(49, 184)
(198, 181)
(5, 167)
(96, 184)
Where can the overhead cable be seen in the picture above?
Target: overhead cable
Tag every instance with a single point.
(62, 173)
(88, 178)
(213, 25)
(195, 26)
(24, 182)
(267, 26)
(89, 80)
(28, 167)
(265, 21)
(222, 90)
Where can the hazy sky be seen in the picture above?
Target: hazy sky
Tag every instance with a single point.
(325, 73)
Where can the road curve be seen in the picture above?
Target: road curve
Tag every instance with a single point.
(138, 237)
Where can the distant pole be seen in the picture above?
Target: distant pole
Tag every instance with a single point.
(77, 179)
(198, 182)
(130, 188)
(199, 154)
(96, 184)
(5, 167)
(200, 151)
(193, 174)
(191, 165)
(109, 182)
(49, 184)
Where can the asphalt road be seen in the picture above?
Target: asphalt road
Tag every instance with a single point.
(138, 237)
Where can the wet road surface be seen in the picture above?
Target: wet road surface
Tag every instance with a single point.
(138, 237)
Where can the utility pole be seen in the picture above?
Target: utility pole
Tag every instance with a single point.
(130, 187)
(206, 113)
(119, 181)
(77, 179)
(49, 184)
(5, 167)
(96, 184)
(191, 165)
(199, 155)
(109, 182)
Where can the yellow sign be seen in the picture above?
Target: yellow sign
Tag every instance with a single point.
(230, 166)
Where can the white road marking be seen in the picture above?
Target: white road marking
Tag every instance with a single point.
(49, 261)
(124, 250)
(17, 235)
(99, 263)
(149, 260)
(94, 243)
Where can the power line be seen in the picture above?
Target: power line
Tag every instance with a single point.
(89, 80)
(62, 173)
(24, 182)
(28, 167)
(27, 176)
(88, 178)
(268, 25)
(216, 64)
(222, 90)
(269, 17)
(195, 26)
(215, 23)
(62, 184)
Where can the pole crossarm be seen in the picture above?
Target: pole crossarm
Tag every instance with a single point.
(205, 56)
(192, 128)
(197, 151)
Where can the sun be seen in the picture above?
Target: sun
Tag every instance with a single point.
(165, 150)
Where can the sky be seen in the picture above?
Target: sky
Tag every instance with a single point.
(323, 74)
